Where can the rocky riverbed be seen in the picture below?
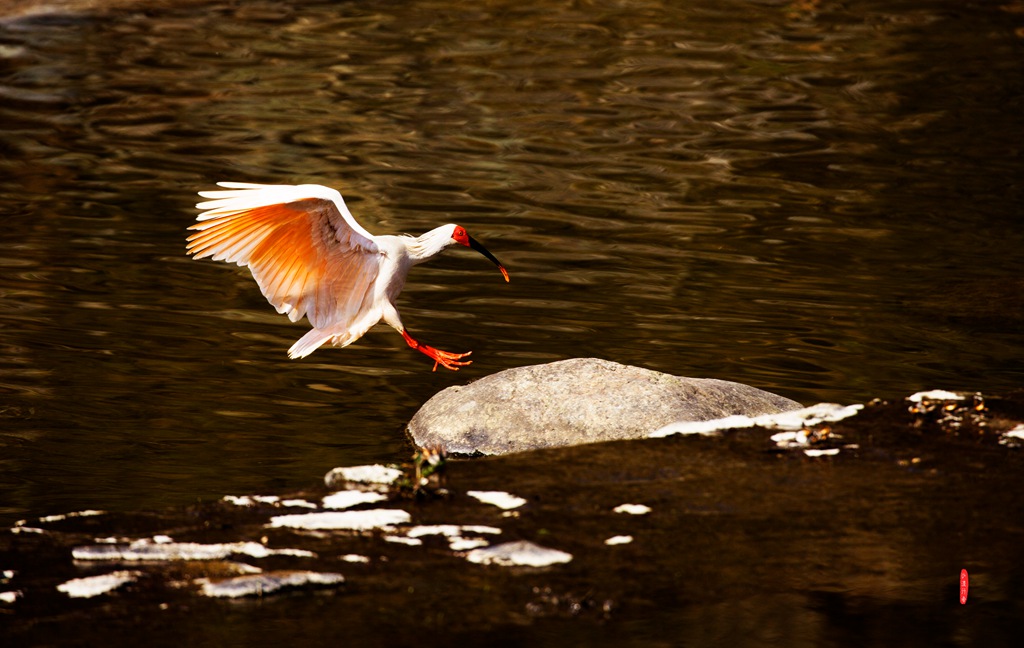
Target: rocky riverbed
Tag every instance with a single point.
(820, 531)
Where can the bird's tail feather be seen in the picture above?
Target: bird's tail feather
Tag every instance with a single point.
(339, 336)
(310, 342)
(316, 338)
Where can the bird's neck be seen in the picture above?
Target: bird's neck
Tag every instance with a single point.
(427, 245)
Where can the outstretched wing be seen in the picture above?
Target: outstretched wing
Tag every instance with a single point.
(306, 252)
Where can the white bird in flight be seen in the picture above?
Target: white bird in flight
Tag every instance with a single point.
(310, 257)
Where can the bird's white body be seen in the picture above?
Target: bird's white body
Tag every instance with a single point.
(395, 256)
(311, 258)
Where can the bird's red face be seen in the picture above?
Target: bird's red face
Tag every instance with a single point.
(460, 236)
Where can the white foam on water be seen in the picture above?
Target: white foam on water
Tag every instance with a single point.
(703, 427)
(348, 520)
(790, 439)
(372, 474)
(458, 543)
(1014, 436)
(501, 499)
(823, 452)
(266, 583)
(633, 509)
(520, 553)
(251, 500)
(450, 530)
(349, 498)
(241, 567)
(91, 586)
(935, 394)
(298, 503)
(10, 597)
(619, 540)
(27, 529)
(412, 542)
(64, 516)
(454, 533)
(162, 550)
(792, 420)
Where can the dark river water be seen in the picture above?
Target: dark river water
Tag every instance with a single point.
(819, 199)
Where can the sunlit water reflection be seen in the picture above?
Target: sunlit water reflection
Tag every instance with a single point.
(823, 201)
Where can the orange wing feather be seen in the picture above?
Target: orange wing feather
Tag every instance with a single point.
(304, 255)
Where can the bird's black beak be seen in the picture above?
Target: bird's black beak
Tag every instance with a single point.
(475, 244)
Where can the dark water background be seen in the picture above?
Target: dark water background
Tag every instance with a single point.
(819, 199)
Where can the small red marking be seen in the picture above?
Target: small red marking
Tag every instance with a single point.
(963, 586)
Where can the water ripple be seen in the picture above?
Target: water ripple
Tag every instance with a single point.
(751, 191)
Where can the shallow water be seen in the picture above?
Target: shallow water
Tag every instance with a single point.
(740, 538)
(823, 201)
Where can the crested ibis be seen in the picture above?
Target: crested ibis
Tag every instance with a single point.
(310, 257)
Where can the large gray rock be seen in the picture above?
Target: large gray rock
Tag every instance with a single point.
(576, 401)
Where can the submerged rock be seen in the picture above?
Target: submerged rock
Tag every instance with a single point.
(576, 401)
(266, 583)
(350, 520)
(375, 477)
(162, 548)
(521, 553)
(91, 586)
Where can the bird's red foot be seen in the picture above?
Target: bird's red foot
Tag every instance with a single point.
(446, 359)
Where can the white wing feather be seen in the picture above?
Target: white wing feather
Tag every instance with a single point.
(305, 250)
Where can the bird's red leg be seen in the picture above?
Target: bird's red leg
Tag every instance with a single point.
(446, 359)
